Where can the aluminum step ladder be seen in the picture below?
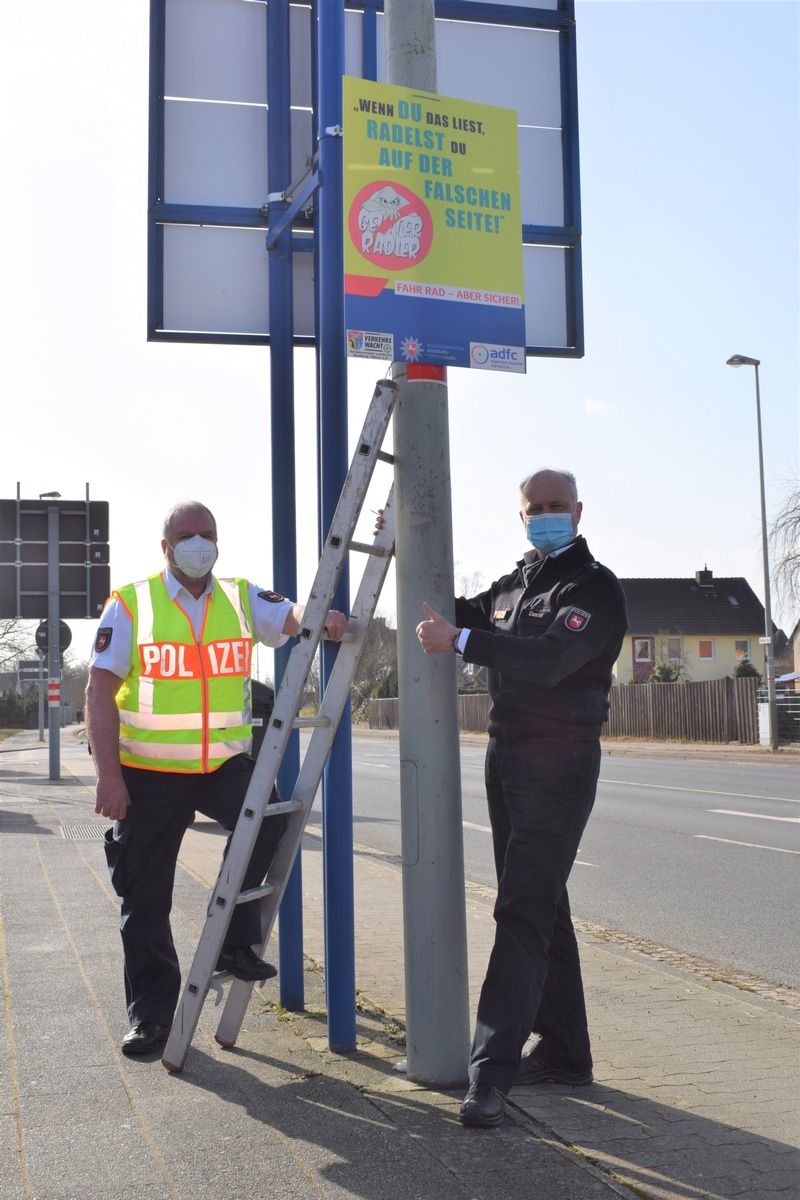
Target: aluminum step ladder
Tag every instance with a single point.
(227, 891)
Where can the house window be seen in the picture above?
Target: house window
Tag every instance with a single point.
(674, 650)
(705, 650)
(643, 650)
(742, 648)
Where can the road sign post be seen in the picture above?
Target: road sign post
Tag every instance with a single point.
(31, 671)
(53, 647)
(437, 1002)
(41, 696)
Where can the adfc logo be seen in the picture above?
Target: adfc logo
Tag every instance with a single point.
(390, 226)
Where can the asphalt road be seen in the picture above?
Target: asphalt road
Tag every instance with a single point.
(701, 857)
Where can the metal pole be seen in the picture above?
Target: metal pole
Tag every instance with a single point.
(768, 642)
(337, 784)
(437, 998)
(53, 643)
(284, 507)
(41, 695)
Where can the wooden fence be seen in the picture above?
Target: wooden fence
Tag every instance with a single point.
(719, 710)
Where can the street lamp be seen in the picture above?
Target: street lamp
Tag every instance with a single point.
(739, 360)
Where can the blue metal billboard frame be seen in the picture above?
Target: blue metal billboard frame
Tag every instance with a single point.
(566, 236)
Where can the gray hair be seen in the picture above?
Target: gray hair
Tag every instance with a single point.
(184, 506)
(570, 478)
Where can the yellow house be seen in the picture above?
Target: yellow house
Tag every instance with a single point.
(701, 628)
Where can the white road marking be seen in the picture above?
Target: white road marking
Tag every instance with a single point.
(752, 845)
(735, 812)
(579, 862)
(667, 787)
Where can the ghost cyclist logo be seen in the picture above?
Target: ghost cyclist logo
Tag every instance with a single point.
(390, 226)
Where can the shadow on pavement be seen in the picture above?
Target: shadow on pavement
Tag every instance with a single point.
(658, 1148)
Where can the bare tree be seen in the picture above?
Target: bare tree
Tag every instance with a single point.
(784, 543)
(74, 677)
(377, 667)
(469, 585)
(16, 641)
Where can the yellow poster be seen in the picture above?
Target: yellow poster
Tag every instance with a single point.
(433, 241)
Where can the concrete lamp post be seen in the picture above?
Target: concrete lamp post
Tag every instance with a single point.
(739, 360)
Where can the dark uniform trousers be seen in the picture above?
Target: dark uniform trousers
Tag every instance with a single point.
(540, 792)
(142, 853)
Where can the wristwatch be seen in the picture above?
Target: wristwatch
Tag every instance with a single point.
(455, 640)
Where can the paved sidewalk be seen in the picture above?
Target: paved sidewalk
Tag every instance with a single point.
(697, 1091)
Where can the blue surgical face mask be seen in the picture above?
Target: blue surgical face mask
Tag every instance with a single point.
(549, 531)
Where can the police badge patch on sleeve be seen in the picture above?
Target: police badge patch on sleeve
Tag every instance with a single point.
(577, 619)
(103, 639)
(273, 597)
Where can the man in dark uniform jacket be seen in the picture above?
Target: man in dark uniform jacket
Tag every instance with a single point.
(549, 634)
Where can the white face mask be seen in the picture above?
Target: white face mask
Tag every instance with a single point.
(195, 556)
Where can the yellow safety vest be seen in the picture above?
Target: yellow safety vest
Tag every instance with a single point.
(185, 706)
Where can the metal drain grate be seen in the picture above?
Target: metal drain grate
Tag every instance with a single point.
(19, 799)
(83, 833)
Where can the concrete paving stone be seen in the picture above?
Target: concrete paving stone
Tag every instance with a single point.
(736, 1187)
(44, 1002)
(30, 915)
(86, 1191)
(554, 1184)
(76, 1029)
(770, 1157)
(43, 1080)
(365, 1168)
(9, 1152)
(113, 1104)
(340, 1138)
(683, 1157)
(789, 1193)
(106, 1152)
(50, 1057)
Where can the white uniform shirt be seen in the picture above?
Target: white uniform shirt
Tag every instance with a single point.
(116, 627)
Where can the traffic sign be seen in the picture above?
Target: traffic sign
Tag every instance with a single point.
(29, 670)
(84, 576)
(42, 636)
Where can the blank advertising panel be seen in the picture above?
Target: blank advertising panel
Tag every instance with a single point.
(210, 191)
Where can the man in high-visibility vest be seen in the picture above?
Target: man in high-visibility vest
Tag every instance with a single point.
(168, 713)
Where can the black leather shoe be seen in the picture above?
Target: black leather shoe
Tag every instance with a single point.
(483, 1106)
(532, 1070)
(144, 1038)
(243, 963)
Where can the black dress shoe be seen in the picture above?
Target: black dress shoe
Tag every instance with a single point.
(144, 1038)
(483, 1106)
(243, 963)
(532, 1070)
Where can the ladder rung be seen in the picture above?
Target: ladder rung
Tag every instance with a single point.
(283, 806)
(255, 893)
(368, 548)
(311, 722)
(384, 457)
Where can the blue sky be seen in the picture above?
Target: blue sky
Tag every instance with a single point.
(689, 181)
